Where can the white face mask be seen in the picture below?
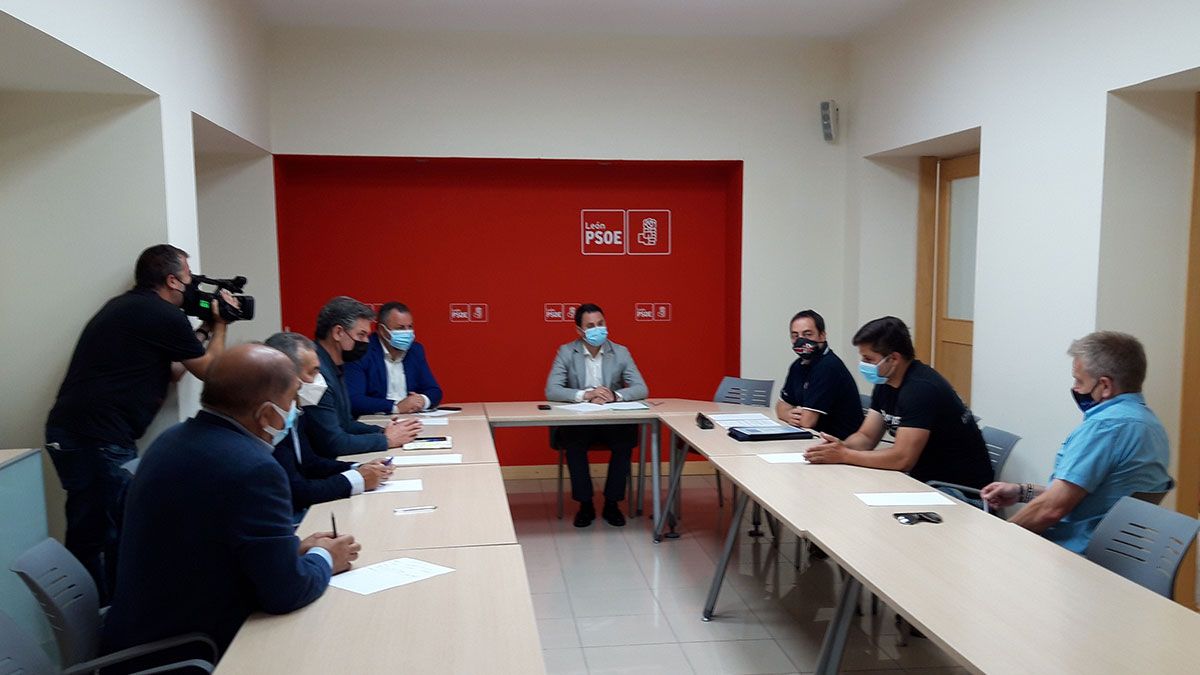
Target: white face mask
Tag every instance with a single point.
(311, 392)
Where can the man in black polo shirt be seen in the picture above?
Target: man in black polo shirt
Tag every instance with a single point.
(819, 392)
(126, 357)
(936, 437)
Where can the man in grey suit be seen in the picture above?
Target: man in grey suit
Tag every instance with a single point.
(595, 370)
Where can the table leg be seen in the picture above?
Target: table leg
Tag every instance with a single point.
(756, 521)
(834, 643)
(656, 469)
(672, 492)
(641, 486)
(730, 540)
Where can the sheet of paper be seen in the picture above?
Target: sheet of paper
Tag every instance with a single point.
(580, 407)
(419, 460)
(439, 413)
(387, 574)
(729, 420)
(403, 485)
(784, 457)
(435, 422)
(626, 405)
(762, 427)
(932, 498)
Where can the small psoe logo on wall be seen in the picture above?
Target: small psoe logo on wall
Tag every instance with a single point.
(559, 312)
(602, 232)
(468, 312)
(649, 232)
(652, 311)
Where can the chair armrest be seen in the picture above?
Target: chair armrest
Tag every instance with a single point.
(968, 491)
(148, 649)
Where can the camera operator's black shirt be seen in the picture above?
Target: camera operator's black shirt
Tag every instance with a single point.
(955, 452)
(121, 368)
(824, 385)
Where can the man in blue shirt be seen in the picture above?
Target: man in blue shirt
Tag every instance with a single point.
(394, 375)
(1120, 448)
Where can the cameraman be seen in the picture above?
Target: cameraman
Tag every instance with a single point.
(126, 357)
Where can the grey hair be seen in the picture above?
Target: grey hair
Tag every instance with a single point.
(291, 344)
(1117, 356)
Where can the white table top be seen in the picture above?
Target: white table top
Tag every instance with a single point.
(477, 619)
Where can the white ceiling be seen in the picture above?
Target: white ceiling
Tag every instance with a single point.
(685, 18)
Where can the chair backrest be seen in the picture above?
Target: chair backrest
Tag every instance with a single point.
(68, 597)
(744, 391)
(1000, 445)
(19, 653)
(1143, 543)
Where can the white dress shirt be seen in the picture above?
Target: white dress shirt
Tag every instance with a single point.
(397, 387)
(595, 374)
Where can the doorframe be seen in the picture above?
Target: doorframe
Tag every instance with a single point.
(1187, 491)
(932, 200)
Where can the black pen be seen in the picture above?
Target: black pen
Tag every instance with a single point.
(333, 521)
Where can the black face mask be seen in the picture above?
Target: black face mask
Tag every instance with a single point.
(808, 350)
(191, 296)
(352, 355)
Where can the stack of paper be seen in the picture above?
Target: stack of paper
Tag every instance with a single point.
(435, 422)
(432, 443)
(387, 574)
(580, 407)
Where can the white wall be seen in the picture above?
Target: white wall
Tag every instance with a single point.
(202, 56)
(367, 93)
(1144, 233)
(81, 194)
(1035, 77)
(237, 233)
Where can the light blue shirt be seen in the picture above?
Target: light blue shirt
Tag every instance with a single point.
(1119, 449)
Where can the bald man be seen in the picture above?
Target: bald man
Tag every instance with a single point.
(208, 524)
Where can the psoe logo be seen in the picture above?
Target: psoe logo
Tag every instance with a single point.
(602, 232)
(649, 232)
(468, 312)
(652, 311)
(553, 312)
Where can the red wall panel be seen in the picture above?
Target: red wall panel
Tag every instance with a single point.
(507, 234)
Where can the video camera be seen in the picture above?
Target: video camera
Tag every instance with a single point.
(202, 306)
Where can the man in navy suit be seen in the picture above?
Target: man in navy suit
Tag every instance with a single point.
(208, 523)
(343, 326)
(315, 479)
(393, 376)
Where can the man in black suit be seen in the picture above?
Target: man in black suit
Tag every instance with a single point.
(343, 329)
(316, 479)
(208, 523)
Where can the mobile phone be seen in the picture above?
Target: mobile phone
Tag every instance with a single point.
(543, 406)
(449, 407)
(914, 518)
(428, 439)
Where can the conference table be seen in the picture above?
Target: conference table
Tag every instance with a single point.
(998, 598)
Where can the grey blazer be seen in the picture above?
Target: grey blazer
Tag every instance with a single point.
(569, 372)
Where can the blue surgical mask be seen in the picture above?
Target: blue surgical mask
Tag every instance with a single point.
(402, 339)
(870, 372)
(596, 335)
(289, 420)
